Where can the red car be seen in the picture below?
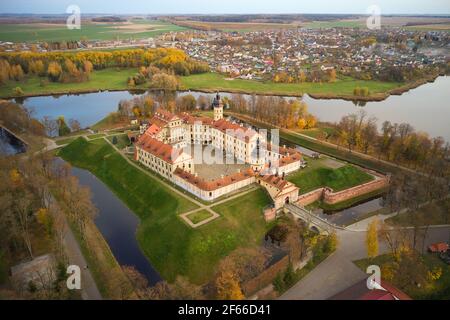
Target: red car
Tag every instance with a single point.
(438, 247)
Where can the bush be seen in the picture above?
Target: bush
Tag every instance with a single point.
(18, 91)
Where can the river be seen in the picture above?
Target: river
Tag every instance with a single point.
(118, 225)
(426, 108)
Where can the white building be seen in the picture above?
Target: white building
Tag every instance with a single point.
(160, 149)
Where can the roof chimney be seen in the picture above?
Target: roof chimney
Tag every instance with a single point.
(221, 176)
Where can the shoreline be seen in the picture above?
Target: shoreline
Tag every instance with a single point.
(376, 97)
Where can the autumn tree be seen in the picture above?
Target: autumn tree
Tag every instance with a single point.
(227, 286)
(63, 129)
(165, 82)
(54, 71)
(372, 239)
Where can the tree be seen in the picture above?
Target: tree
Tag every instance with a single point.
(18, 91)
(187, 103)
(63, 129)
(372, 239)
(74, 125)
(332, 75)
(50, 125)
(227, 286)
(54, 71)
(163, 81)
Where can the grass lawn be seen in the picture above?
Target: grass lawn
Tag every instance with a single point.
(199, 216)
(62, 142)
(96, 136)
(317, 175)
(122, 140)
(430, 214)
(437, 290)
(172, 246)
(317, 133)
(98, 31)
(106, 79)
(215, 81)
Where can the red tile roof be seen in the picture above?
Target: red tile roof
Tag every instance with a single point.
(215, 184)
(192, 119)
(359, 291)
(239, 132)
(157, 148)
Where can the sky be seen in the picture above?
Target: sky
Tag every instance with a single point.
(226, 6)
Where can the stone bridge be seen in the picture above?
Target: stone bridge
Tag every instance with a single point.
(314, 222)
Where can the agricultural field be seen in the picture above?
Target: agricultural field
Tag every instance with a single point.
(135, 29)
(356, 23)
(239, 26)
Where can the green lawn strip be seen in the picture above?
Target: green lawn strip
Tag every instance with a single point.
(96, 136)
(437, 290)
(199, 216)
(106, 79)
(172, 246)
(61, 142)
(345, 86)
(314, 177)
(316, 133)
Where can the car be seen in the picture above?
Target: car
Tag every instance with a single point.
(440, 247)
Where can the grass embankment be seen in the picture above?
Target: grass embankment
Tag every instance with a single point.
(173, 247)
(430, 214)
(122, 140)
(317, 175)
(341, 88)
(435, 290)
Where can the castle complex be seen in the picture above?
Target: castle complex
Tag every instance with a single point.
(165, 148)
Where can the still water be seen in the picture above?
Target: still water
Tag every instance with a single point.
(118, 225)
(426, 108)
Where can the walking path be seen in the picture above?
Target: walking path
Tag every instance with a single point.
(89, 289)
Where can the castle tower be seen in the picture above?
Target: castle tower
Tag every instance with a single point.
(218, 108)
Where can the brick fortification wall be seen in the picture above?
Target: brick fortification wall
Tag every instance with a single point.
(330, 197)
(266, 277)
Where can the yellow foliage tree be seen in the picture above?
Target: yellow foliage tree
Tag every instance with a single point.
(301, 123)
(228, 287)
(372, 239)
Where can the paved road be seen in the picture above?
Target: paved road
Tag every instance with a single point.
(89, 289)
(338, 272)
